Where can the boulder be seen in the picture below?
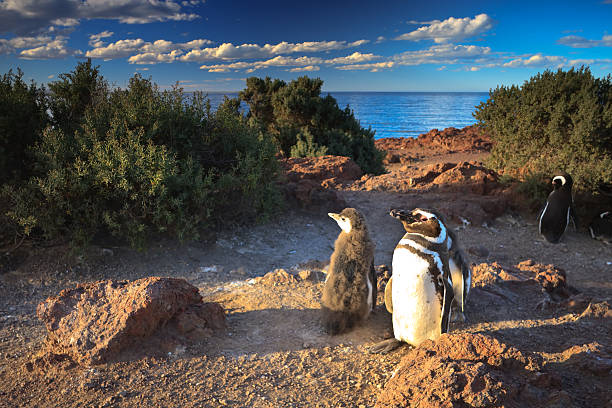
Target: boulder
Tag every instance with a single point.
(94, 322)
(468, 370)
(321, 168)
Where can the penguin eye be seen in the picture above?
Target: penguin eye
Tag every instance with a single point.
(423, 218)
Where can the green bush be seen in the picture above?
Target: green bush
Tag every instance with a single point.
(301, 122)
(141, 160)
(22, 117)
(555, 122)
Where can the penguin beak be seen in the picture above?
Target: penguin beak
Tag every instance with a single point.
(405, 216)
(334, 216)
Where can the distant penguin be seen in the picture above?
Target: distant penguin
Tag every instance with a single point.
(601, 227)
(558, 211)
(349, 294)
(420, 291)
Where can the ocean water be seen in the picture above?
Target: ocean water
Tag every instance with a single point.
(403, 114)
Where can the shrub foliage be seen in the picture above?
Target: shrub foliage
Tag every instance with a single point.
(22, 118)
(302, 123)
(555, 122)
(136, 161)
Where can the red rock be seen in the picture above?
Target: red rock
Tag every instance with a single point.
(469, 139)
(468, 370)
(321, 168)
(93, 322)
(470, 176)
(598, 310)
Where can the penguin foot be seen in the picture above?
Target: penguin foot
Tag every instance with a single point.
(385, 346)
(458, 316)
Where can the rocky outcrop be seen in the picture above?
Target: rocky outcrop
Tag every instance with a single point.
(465, 177)
(94, 322)
(469, 139)
(311, 180)
(319, 169)
(470, 370)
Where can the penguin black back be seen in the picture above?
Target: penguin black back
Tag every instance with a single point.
(558, 211)
(601, 227)
(349, 294)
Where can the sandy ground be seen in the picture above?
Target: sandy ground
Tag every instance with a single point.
(274, 353)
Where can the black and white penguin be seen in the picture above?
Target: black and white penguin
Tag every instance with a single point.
(558, 211)
(420, 291)
(349, 294)
(601, 227)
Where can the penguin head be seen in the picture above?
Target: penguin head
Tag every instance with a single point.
(428, 223)
(562, 182)
(349, 220)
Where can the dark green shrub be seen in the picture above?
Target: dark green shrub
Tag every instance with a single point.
(139, 161)
(22, 117)
(77, 92)
(301, 122)
(556, 121)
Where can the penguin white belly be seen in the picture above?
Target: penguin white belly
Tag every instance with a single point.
(416, 306)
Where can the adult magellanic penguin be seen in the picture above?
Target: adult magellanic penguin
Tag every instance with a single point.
(420, 291)
(558, 211)
(601, 227)
(349, 294)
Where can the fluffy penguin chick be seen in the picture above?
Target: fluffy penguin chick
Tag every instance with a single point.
(421, 290)
(601, 227)
(349, 294)
(559, 208)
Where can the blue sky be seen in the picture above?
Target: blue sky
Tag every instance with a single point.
(214, 45)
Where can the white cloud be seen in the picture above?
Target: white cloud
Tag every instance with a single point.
(537, 60)
(308, 68)
(29, 16)
(10, 46)
(95, 40)
(119, 49)
(443, 54)
(139, 51)
(354, 58)
(575, 41)
(374, 67)
(53, 50)
(284, 61)
(450, 30)
(230, 51)
(154, 58)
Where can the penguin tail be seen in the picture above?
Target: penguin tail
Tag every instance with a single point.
(553, 239)
(336, 322)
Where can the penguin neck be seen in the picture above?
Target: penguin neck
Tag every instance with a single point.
(441, 238)
(425, 241)
(355, 237)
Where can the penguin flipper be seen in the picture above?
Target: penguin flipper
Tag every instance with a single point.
(574, 217)
(385, 346)
(447, 299)
(388, 297)
(374, 281)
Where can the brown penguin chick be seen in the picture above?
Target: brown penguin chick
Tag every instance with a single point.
(349, 294)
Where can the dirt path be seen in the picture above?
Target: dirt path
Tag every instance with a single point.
(274, 353)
